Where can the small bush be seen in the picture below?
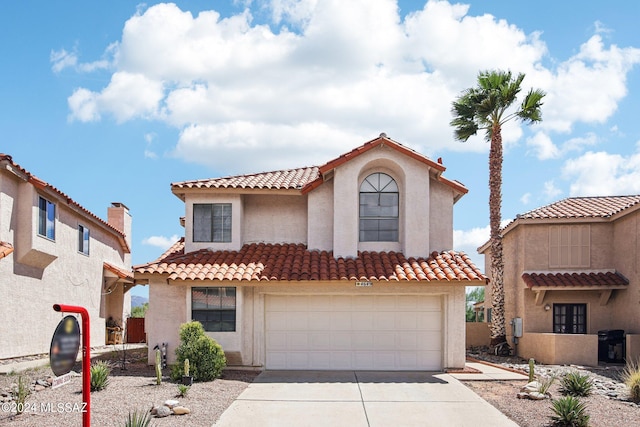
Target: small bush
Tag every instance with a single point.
(570, 412)
(138, 419)
(631, 377)
(207, 359)
(545, 384)
(576, 384)
(100, 371)
(183, 390)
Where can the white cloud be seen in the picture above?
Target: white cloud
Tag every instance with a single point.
(161, 242)
(603, 174)
(526, 198)
(332, 71)
(551, 191)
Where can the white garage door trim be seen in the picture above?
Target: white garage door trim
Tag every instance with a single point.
(364, 332)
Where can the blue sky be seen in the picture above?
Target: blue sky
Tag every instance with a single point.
(114, 100)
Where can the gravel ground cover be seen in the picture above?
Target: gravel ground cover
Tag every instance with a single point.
(128, 390)
(609, 404)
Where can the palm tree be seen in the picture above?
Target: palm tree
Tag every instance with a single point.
(487, 107)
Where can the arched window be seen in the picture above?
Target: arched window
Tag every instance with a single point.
(378, 209)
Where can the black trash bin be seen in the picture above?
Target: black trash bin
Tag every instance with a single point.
(608, 339)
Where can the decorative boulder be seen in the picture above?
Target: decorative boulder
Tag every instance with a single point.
(170, 403)
(162, 411)
(181, 410)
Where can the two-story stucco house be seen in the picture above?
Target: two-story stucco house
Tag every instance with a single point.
(54, 251)
(348, 265)
(572, 275)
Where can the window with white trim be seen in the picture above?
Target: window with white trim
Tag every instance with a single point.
(212, 222)
(379, 200)
(46, 218)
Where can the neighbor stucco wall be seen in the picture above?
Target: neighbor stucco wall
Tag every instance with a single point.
(440, 217)
(477, 334)
(560, 349)
(274, 219)
(30, 288)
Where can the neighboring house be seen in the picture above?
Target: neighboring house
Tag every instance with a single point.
(54, 251)
(572, 275)
(343, 266)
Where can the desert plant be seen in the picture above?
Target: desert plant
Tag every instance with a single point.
(576, 384)
(158, 367)
(183, 390)
(569, 412)
(532, 370)
(545, 384)
(100, 371)
(206, 355)
(186, 367)
(631, 377)
(138, 419)
(21, 393)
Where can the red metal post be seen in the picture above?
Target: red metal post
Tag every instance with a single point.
(86, 357)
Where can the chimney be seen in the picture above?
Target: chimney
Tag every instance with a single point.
(118, 216)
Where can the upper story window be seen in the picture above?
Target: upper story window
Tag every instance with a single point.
(212, 222)
(83, 239)
(46, 218)
(378, 209)
(569, 246)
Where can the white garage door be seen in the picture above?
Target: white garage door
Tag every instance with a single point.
(373, 332)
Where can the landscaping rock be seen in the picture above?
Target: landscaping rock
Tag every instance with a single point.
(171, 403)
(181, 410)
(162, 411)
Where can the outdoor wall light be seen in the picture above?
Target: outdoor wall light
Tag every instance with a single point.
(547, 307)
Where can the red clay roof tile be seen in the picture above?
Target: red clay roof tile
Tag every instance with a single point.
(575, 280)
(120, 272)
(5, 249)
(294, 262)
(583, 207)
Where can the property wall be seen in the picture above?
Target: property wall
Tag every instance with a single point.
(274, 219)
(477, 334)
(70, 278)
(560, 349)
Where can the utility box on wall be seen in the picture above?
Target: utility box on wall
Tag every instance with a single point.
(516, 324)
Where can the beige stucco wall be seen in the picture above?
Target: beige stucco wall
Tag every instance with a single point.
(274, 218)
(560, 349)
(440, 217)
(247, 344)
(477, 334)
(633, 348)
(30, 288)
(320, 217)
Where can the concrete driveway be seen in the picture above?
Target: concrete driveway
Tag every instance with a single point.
(360, 398)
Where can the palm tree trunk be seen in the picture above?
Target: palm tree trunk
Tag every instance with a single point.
(498, 322)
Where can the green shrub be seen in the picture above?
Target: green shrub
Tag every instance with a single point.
(570, 412)
(183, 390)
(138, 419)
(631, 377)
(576, 384)
(100, 371)
(20, 394)
(206, 357)
(545, 384)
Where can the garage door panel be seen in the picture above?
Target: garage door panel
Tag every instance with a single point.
(377, 332)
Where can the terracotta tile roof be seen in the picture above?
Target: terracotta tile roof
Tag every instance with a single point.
(306, 179)
(120, 272)
(5, 249)
(284, 179)
(293, 262)
(595, 280)
(42, 185)
(583, 207)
